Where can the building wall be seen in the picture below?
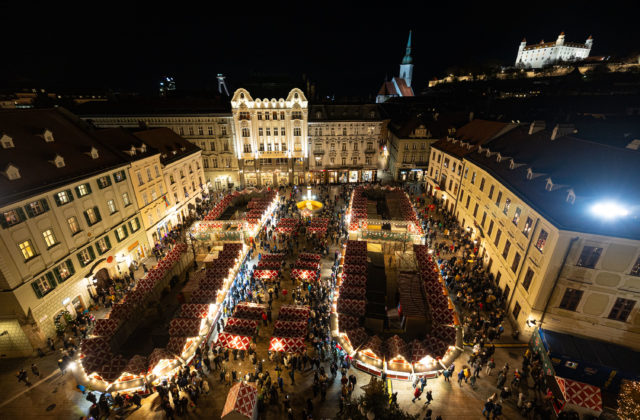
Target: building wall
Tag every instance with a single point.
(537, 56)
(545, 287)
(34, 308)
(264, 157)
(338, 147)
(185, 184)
(443, 177)
(409, 157)
(150, 190)
(212, 132)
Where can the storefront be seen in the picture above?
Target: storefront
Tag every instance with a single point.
(343, 177)
(283, 178)
(411, 175)
(333, 177)
(353, 176)
(250, 179)
(266, 179)
(368, 176)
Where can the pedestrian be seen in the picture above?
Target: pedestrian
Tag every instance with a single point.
(488, 408)
(460, 377)
(416, 395)
(446, 374)
(35, 370)
(429, 397)
(22, 377)
(490, 365)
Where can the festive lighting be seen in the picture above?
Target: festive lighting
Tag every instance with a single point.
(629, 400)
(609, 210)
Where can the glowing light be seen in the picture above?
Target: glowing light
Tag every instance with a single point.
(609, 210)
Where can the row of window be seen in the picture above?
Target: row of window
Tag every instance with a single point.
(619, 312)
(48, 281)
(149, 177)
(423, 146)
(212, 146)
(297, 131)
(223, 131)
(354, 161)
(226, 162)
(318, 131)
(267, 130)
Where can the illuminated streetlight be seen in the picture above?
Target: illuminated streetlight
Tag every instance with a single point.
(609, 210)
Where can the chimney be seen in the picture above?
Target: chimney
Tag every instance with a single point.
(562, 130)
(470, 116)
(536, 126)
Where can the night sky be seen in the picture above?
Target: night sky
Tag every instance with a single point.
(346, 51)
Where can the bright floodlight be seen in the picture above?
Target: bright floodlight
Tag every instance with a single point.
(609, 210)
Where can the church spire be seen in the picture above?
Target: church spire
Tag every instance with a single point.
(407, 55)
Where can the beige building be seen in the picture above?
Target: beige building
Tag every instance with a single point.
(182, 173)
(271, 139)
(561, 239)
(205, 123)
(446, 161)
(409, 145)
(69, 221)
(345, 143)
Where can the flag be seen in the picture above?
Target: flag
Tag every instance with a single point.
(166, 202)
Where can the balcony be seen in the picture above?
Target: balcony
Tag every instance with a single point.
(318, 151)
(369, 151)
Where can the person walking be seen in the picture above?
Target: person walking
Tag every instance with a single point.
(429, 397)
(490, 365)
(460, 377)
(416, 394)
(488, 408)
(34, 369)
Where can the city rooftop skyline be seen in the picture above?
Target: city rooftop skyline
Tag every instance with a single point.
(346, 53)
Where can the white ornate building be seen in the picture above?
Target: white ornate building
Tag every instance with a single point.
(547, 53)
(271, 138)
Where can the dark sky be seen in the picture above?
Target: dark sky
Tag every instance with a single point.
(346, 50)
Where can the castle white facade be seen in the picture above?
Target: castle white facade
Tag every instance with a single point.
(547, 53)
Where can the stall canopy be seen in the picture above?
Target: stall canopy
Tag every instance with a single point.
(580, 394)
(287, 344)
(234, 341)
(593, 362)
(241, 403)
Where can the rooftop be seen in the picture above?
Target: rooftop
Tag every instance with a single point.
(564, 167)
(344, 112)
(172, 147)
(39, 137)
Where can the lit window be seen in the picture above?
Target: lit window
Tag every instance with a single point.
(12, 217)
(104, 181)
(125, 199)
(121, 233)
(527, 227)
(86, 256)
(103, 245)
(42, 286)
(64, 271)
(134, 224)
(507, 203)
(92, 216)
(542, 240)
(73, 225)
(516, 216)
(83, 190)
(63, 197)
(112, 206)
(27, 250)
(36, 208)
(49, 238)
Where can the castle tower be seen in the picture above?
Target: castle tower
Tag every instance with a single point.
(589, 43)
(406, 67)
(222, 85)
(560, 40)
(520, 49)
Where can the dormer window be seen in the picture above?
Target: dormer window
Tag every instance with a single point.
(58, 161)
(93, 153)
(142, 148)
(131, 151)
(47, 135)
(549, 185)
(7, 142)
(571, 197)
(12, 172)
(512, 164)
(488, 153)
(529, 174)
(498, 158)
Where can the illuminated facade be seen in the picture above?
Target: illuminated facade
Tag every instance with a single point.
(548, 53)
(271, 139)
(212, 132)
(58, 238)
(528, 199)
(345, 143)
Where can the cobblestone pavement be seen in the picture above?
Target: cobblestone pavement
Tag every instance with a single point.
(57, 396)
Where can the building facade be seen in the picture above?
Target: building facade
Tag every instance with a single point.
(182, 175)
(531, 202)
(446, 161)
(271, 139)
(409, 145)
(536, 56)
(210, 130)
(60, 239)
(345, 143)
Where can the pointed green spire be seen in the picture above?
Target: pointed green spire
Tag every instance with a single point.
(407, 55)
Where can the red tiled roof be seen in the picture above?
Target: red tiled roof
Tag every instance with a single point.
(402, 85)
(387, 88)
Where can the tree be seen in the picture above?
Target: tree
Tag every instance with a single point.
(374, 404)
(629, 401)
